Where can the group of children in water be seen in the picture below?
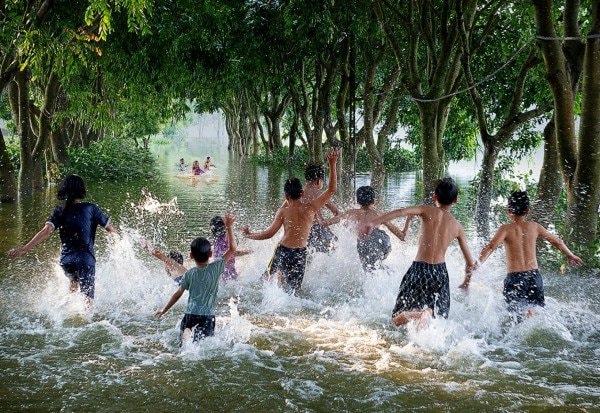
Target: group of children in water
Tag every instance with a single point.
(424, 290)
(196, 169)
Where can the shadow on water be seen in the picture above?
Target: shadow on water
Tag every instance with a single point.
(331, 348)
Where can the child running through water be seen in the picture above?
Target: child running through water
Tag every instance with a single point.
(76, 222)
(425, 286)
(221, 245)
(377, 246)
(202, 282)
(523, 286)
(296, 217)
(321, 238)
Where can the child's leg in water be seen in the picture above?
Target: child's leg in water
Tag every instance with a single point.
(406, 316)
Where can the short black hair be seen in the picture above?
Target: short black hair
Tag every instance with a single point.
(176, 256)
(365, 195)
(446, 191)
(200, 249)
(217, 226)
(293, 188)
(518, 203)
(314, 172)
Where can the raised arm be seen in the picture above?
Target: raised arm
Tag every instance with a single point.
(267, 233)
(229, 219)
(324, 198)
(559, 244)
(37, 239)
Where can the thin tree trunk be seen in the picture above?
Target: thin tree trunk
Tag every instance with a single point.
(8, 183)
(550, 182)
(486, 185)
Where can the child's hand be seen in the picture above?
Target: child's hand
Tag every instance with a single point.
(246, 230)
(229, 219)
(402, 236)
(15, 252)
(147, 245)
(574, 260)
(333, 155)
(159, 313)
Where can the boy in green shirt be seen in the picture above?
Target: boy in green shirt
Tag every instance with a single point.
(202, 281)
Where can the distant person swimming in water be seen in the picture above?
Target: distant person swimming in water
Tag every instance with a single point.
(76, 222)
(377, 246)
(208, 163)
(182, 165)
(196, 170)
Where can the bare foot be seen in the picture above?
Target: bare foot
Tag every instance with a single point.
(407, 316)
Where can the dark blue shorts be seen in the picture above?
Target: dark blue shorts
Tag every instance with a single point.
(291, 263)
(84, 274)
(373, 249)
(523, 288)
(201, 325)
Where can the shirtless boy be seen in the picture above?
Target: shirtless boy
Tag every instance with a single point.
(377, 246)
(321, 238)
(523, 284)
(296, 217)
(425, 285)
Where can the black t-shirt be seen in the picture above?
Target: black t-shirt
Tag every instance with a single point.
(77, 229)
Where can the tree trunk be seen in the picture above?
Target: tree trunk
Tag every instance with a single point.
(433, 163)
(486, 185)
(20, 97)
(583, 214)
(8, 183)
(550, 182)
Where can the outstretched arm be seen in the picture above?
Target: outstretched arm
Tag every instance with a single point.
(174, 268)
(332, 157)
(37, 239)
(401, 234)
(483, 255)
(560, 245)
(470, 263)
(365, 229)
(267, 233)
(229, 219)
(176, 295)
(333, 220)
(333, 208)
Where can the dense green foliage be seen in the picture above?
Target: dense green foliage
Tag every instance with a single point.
(112, 159)
(396, 159)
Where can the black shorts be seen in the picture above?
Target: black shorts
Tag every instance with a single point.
(84, 274)
(201, 325)
(291, 263)
(321, 238)
(523, 288)
(424, 285)
(373, 249)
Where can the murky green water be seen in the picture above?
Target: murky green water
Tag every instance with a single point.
(332, 349)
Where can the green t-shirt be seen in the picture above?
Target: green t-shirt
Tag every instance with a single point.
(203, 284)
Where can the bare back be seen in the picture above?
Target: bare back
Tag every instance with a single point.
(297, 218)
(439, 228)
(519, 239)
